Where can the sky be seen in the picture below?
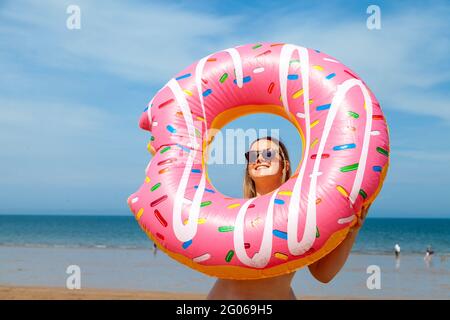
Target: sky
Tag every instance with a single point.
(70, 100)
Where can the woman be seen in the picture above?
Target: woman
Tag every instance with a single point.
(267, 168)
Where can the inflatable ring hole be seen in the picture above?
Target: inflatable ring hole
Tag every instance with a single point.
(230, 137)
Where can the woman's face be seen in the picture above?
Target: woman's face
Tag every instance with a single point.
(260, 167)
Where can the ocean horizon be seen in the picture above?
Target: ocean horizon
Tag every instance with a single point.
(377, 236)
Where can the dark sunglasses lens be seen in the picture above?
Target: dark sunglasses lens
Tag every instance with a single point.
(253, 155)
(269, 154)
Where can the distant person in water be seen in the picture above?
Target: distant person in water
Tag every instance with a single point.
(428, 255)
(397, 250)
(429, 252)
(155, 248)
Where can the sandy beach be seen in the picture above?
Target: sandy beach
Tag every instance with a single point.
(50, 293)
(41, 273)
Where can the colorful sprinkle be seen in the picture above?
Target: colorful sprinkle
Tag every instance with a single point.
(292, 76)
(377, 117)
(330, 60)
(278, 201)
(160, 218)
(170, 160)
(342, 191)
(187, 75)
(323, 107)
(314, 123)
(276, 44)
(184, 148)
(258, 70)
(234, 205)
(229, 256)
(206, 189)
(257, 46)
(207, 92)
(196, 171)
(255, 222)
(149, 147)
(264, 53)
(226, 228)
(317, 232)
(285, 193)
(205, 203)
(158, 201)
(163, 170)
(247, 245)
(280, 234)
(164, 149)
(377, 168)
(165, 103)
(280, 256)
(211, 60)
(186, 244)
(147, 179)
(320, 68)
(363, 193)
(271, 86)
(383, 151)
(324, 156)
(297, 94)
(199, 221)
(314, 143)
(223, 78)
(330, 76)
(188, 92)
(353, 114)
(350, 167)
(156, 186)
(344, 146)
(146, 108)
(346, 219)
(159, 235)
(139, 214)
(152, 138)
(318, 200)
(202, 258)
(171, 129)
(244, 80)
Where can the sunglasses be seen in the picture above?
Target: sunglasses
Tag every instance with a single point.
(267, 154)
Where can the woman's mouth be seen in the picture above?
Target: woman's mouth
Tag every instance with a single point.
(260, 166)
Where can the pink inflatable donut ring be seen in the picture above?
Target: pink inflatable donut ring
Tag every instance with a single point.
(345, 156)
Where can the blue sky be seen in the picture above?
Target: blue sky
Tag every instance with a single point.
(70, 99)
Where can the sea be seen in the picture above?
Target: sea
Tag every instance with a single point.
(377, 236)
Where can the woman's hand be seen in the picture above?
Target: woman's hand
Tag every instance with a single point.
(361, 219)
(326, 268)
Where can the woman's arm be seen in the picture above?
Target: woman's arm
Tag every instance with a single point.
(326, 268)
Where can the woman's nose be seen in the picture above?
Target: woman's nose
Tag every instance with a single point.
(260, 158)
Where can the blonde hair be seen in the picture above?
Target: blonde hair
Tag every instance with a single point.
(249, 184)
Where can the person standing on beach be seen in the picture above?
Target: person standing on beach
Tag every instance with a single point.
(397, 250)
(155, 249)
(267, 168)
(428, 253)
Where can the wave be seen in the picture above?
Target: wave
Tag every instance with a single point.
(101, 246)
